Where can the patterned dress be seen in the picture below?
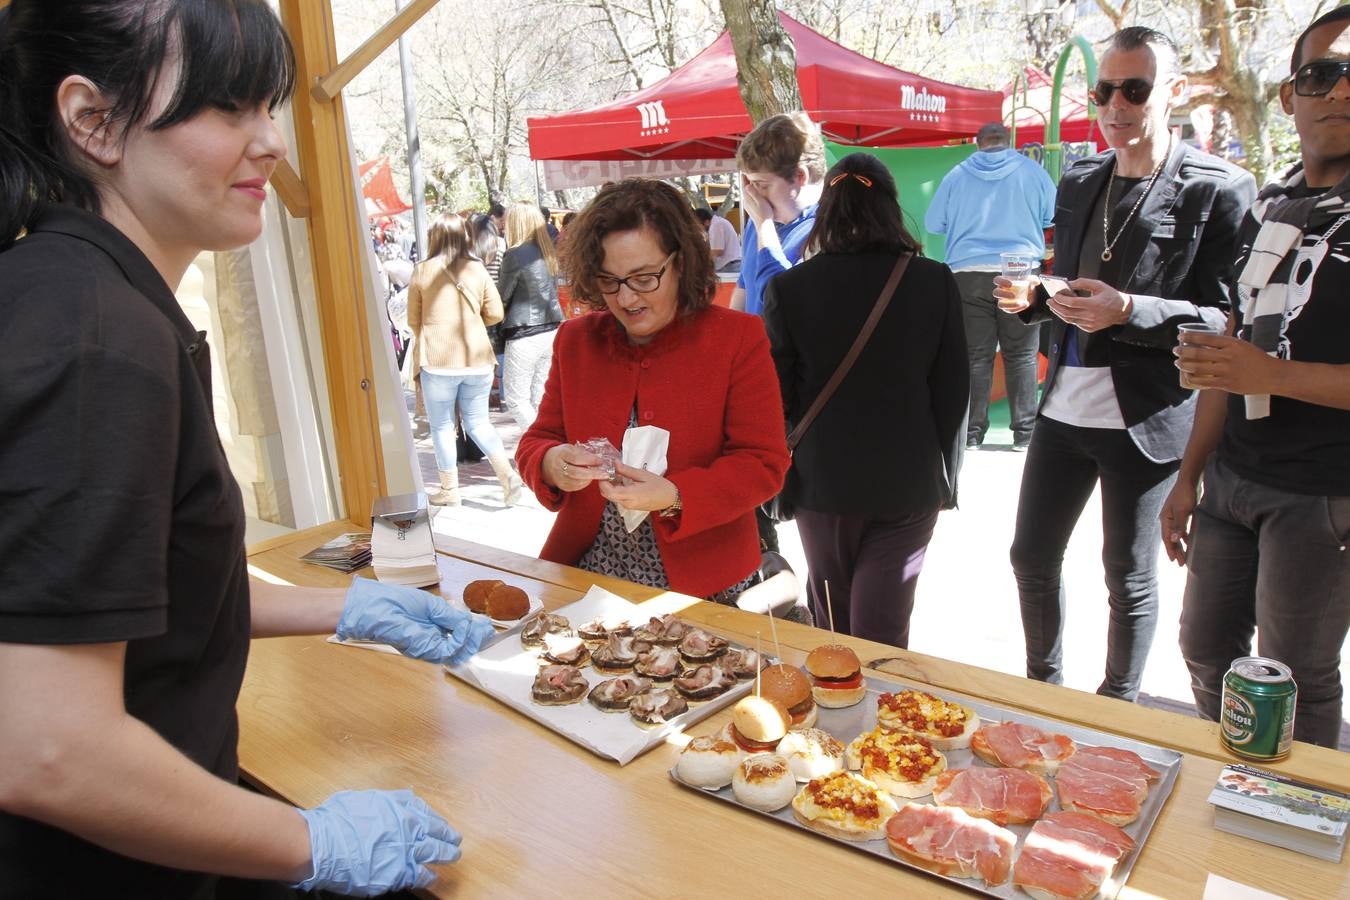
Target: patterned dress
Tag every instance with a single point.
(635, 556)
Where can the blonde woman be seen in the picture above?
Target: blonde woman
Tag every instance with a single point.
(530, 297)
(451, 301)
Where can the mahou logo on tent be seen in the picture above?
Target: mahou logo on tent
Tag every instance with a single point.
(654, 119)
(922, 106)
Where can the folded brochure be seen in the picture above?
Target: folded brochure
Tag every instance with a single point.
(1277, 809)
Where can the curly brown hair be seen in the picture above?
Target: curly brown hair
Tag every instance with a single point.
(628, 205)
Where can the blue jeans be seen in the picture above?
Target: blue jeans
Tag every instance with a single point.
(1062, 468)
(1267, 561)
(441, 393)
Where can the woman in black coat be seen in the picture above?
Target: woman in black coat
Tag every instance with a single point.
(881, 459)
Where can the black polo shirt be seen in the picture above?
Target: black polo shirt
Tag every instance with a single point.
(119, 518)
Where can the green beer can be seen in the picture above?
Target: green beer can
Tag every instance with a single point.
(1256, 718)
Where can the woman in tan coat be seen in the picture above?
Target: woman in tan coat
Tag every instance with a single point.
(451, 301)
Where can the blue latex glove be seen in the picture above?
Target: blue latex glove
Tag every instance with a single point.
(367, 843)
(418, 624)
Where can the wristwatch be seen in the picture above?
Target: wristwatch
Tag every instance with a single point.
(673, 509)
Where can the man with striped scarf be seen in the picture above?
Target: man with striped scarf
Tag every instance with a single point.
(1266, 547)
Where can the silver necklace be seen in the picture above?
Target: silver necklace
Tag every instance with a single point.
(1106, 207)
(1336, 226)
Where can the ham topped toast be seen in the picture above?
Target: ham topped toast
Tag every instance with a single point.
(1106, 782)
(1003, 796)
(1068, 855)
(1021, 746)
(945, 840)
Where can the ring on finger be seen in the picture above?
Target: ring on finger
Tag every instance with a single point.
(565, 470)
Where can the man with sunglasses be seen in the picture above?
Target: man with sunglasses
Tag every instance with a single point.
(1266, 548)
(1144, 232)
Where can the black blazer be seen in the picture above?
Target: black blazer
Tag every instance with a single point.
(1179, 253)
(890, 440)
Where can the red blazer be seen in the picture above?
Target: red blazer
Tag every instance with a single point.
(708, 379)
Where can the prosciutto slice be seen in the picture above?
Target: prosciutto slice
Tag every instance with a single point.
(1069, 855)
(947, 840)
(1003, 796)
(658, 662)
(1105, 782)
(1022, 747)
(701, 645)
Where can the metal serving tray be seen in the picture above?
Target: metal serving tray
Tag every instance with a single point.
(846, 724)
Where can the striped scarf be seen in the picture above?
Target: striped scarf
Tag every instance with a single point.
(1284, 218)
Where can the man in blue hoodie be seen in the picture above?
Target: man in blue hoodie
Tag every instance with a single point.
(997, 201)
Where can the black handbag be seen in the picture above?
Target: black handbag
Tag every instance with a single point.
(778, 508)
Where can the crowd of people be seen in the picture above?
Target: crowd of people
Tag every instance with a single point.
(838, 386)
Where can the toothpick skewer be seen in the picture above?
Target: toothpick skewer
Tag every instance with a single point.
(829, 608)
(759, 657)
(773, 629)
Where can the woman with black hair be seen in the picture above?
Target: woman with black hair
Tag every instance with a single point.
(133, 136)
(881, 459)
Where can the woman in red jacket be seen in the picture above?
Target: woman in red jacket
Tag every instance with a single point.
(656, 352)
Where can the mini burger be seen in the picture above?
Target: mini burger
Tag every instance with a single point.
(836, 676)
(758, 724)
(789, 686)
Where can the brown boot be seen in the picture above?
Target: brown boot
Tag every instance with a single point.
(449, 493)
(511, 483)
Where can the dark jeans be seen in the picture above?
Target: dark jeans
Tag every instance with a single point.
(989, 329)
(1063, 465)
(1265, 560)
(872, 564)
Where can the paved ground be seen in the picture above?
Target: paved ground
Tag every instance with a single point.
(966, 578)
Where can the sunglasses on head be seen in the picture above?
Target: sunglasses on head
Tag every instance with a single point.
(1134, 90)
(1316, 79)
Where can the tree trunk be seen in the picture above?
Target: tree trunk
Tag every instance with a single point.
(766, 61)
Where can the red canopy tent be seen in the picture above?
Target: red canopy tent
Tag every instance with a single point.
(1074, 124)
(696, 113)
(379, 191)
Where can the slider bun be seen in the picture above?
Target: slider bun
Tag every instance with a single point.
(784, 683)
(708, 762)
(761, 719)
(832, 661)
(832, 698)
(506, 601)
(810, 720)
(764, 782)
(476, 593)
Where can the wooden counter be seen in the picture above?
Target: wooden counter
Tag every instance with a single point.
(541, 815)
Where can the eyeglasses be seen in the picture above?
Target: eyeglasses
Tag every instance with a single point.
(1316, 79)
(641, 283)
(1134, 90)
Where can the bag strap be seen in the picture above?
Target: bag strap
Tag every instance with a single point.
(853, 352)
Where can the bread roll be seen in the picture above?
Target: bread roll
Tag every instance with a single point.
(708, 762)
(764, 782)
(476, 593)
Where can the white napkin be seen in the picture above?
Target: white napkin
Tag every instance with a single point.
(644, 447)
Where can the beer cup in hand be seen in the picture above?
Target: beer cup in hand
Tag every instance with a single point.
(1012, 289)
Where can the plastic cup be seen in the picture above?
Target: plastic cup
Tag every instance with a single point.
(1193, 328)
(1018, 268)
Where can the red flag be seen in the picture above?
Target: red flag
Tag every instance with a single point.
(377, 186)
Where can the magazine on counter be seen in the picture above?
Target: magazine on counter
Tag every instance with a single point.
(1278, 810)
(346, 552)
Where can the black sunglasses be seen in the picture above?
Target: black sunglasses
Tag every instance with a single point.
(1135, 91)
(1316, 79)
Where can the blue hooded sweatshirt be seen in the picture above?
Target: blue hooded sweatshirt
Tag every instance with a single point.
(995, 202)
